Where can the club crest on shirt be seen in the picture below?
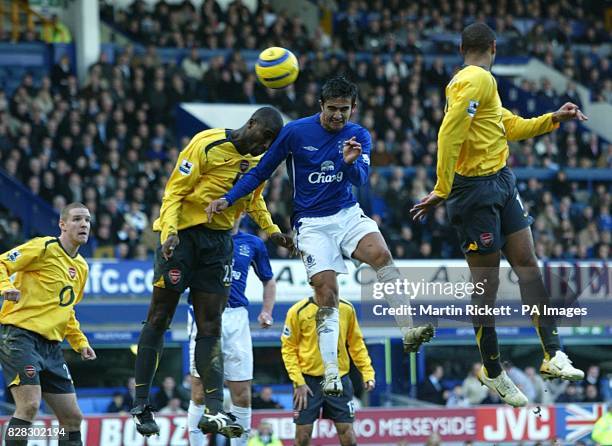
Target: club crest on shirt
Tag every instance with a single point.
(286, 331)
(185, 167)
(471, 110)
(244, 166)
(14, 255)
(243, 250)
(72, 272)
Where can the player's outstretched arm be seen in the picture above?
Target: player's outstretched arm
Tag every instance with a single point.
(567, 112)
(518, 128)
(277, 153)
(284, 240)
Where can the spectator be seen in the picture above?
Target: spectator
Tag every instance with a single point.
(571, 395)
(521, 380)
(457, 398)
(431, 389)
(173, 407)
(492, 398)
(130, 392)
(56, 31)
(473, 390)
(602, 430)
(167, 392)
(591, 394)
(265, 399)
(264, 436)
(118, 404)
(540, 392)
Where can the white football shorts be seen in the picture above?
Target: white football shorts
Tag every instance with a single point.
(236, 344)
(324, 242)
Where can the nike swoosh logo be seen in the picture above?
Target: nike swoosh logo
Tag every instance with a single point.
(555, 332)
(139, 385)
(227, 161)
(210, 390)
(501, 394)
(494, 357)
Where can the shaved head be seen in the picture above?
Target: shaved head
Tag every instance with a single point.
(269, 118)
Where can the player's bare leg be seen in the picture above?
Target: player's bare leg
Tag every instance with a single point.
(325, 288)
(208, 308)
(303, 434)
(150, 346)
(66, 409)
(372, 249)
(484, 269)
(27, 401)
(346, 434)
(520, 252)
(240, 392)
(195, 412)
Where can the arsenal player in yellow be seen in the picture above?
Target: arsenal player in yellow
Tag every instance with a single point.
(197, 252)
(36, 315)
(483, 203)
(300, 350)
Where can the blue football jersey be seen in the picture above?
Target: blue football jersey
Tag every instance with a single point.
(322, 181)
(249, 250)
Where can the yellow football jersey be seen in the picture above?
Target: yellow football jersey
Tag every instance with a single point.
(473, 138)
(300, 343)
(206, 169)
(51, 284)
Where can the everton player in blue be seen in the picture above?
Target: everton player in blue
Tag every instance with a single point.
(236, 347)
(326, 156)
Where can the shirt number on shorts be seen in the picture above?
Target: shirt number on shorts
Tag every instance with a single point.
(351, 408)
(227, 275)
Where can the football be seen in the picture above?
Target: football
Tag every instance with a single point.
(277, 67)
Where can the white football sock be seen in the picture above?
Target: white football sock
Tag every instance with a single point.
(390, 273)
(194, 414)
(328, 321)
(243, 417)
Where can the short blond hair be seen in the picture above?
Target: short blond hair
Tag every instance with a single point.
(66, 210)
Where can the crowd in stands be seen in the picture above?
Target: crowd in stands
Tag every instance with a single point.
(595, 388)
(109, 142)
(173, 398)
(566, 35)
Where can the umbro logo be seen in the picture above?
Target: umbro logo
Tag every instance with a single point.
(310, 148)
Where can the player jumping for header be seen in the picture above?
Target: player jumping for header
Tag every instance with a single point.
(326, 156)
(484, 206)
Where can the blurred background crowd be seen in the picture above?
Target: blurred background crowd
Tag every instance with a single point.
(110, 141)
